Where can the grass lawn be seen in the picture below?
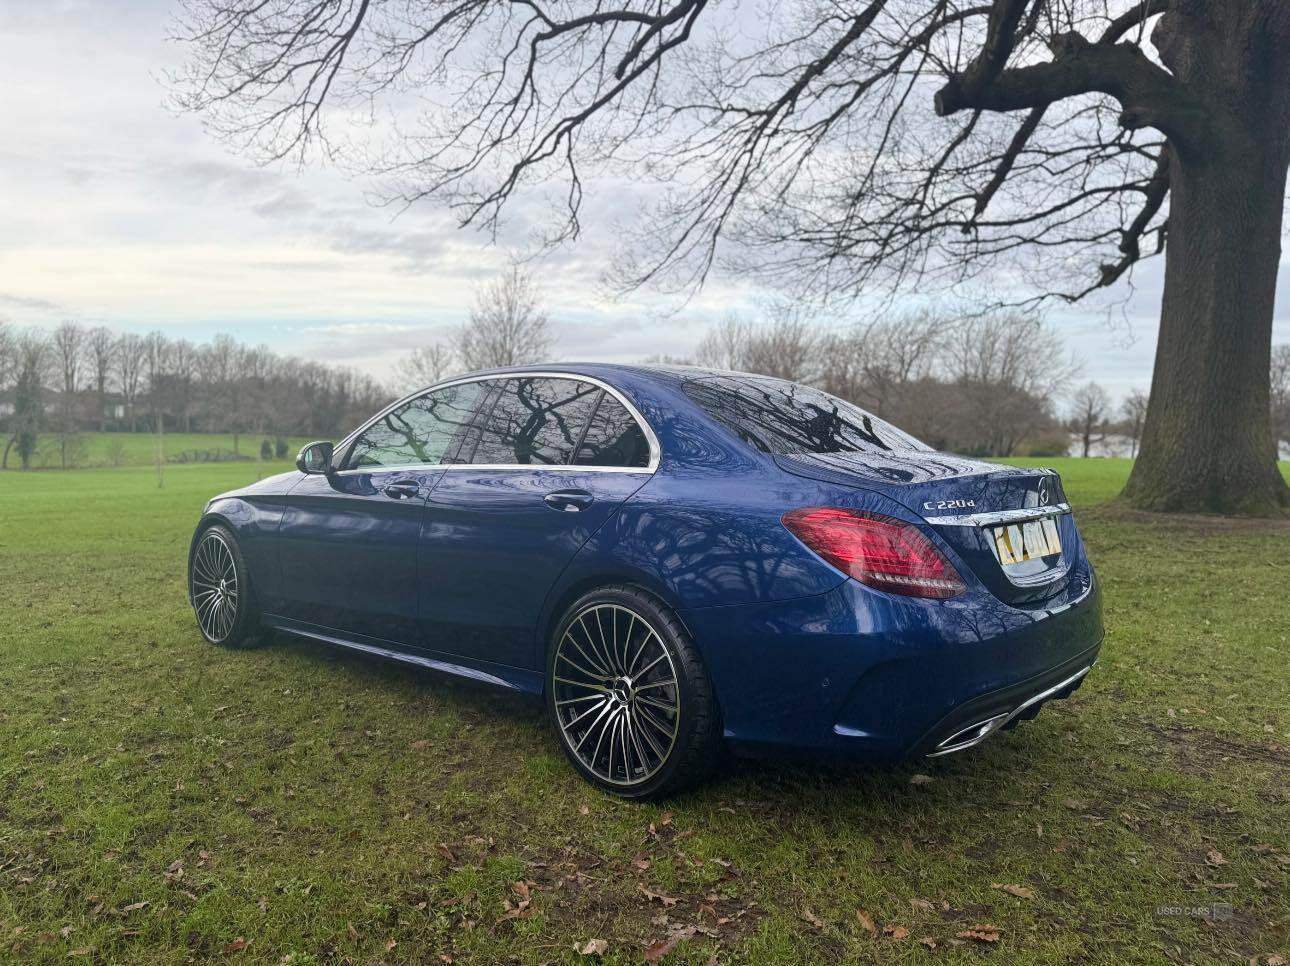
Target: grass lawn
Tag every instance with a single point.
(165, 801)
(138, 449)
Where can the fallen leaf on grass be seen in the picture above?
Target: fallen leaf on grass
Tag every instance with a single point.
(351, 932)
(895, 932)
(659, 948)
(920, 779)
(593, 947)
(1021, 892)
(391, 944)
(80, 952)
(520, 911)
(656, 950)
(982, 933)
(813, 919)
(928, 941)
(923, 905)
(657, 896)
(583, 810)
(866, 922)
(420, 744)
(1215, 857)
(236, 946)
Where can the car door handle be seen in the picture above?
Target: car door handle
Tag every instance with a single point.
(569, 501)
(403, 489)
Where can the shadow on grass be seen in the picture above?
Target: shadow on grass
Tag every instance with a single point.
(815, 789)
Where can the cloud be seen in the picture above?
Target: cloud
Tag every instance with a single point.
(34, 304)
(119, 212)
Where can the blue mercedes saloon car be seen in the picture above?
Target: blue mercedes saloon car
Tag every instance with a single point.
(677, 560)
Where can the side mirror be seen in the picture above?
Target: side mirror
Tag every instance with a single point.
(315, 458)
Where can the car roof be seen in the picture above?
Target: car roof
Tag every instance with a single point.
(667, 372)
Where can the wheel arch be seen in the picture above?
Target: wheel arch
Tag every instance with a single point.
(242, 520)
(209, 519)
(563, 598)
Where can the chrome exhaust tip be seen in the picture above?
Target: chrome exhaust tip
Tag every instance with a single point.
(976, 733)
(973, 734)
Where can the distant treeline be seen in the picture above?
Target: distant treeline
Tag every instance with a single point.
(77, 378)
(987, 384)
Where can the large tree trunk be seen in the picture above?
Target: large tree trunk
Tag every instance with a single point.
(1207, 442)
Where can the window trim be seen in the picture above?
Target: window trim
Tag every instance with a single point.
(655, 451)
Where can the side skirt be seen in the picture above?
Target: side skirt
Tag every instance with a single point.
(497, 675)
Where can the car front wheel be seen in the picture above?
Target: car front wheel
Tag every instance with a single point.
(219, 589)
(629, 696)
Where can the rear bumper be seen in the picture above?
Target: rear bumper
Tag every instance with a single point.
(976, 720)
(861, 674)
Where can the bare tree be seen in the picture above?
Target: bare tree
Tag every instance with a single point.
(423, 366)
(1134, 410)
(1090, 406)
(129, 356)
(8, 354)
(33, 357)
(156, 366)
(8, 373)
(156, 360)
(1007, 368)
(783, 347)
(836, 147)
(507, 327)
(220, 363)
(723, 345)
(893, 354)
(100, 356)
(68, 343)
(184, 361)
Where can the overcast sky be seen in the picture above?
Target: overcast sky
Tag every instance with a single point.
(116, 211)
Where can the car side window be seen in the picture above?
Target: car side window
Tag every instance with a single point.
(424, 430)
(613, 438)
(535, 420)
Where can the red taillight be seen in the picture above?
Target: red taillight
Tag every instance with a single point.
(877, 550)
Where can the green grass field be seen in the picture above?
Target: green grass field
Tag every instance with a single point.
(168, 801)
(93, 449)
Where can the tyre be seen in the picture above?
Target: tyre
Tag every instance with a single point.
(629, 696)
(219, 589)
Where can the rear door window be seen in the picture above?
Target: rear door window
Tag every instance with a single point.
(787, 418)
(535, 421)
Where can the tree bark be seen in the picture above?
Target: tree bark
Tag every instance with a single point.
(1207, 441)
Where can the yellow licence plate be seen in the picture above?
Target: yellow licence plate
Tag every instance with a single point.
(1018, 542)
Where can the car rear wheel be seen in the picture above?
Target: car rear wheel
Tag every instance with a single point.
(219, 589)
(629, 696)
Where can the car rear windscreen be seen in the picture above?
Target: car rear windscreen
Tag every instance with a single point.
(786, 418)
